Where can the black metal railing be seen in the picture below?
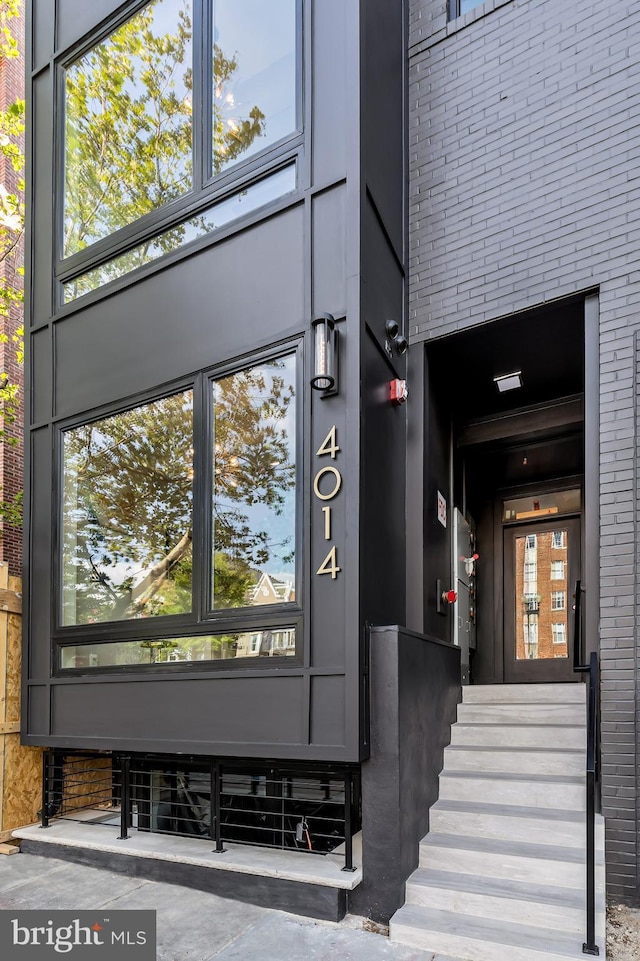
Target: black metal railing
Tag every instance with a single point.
(310, 808)
(592, 669)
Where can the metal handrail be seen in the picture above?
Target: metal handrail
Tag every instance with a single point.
(592, 769)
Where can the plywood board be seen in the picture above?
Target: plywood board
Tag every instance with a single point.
(22, 783)
(87, 782)
(20, 767)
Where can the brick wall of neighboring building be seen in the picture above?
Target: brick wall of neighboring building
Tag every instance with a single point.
(524, 145)
(11, 457)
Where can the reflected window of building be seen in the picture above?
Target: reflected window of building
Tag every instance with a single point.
(530, 542)
(557, 600)
(126, 514)
(558, 540)
(557, 570)
(254, 474)
(559, 633)
(128, 124)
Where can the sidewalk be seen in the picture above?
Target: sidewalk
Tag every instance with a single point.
(193, 926)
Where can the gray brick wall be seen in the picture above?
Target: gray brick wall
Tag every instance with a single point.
(524, 145)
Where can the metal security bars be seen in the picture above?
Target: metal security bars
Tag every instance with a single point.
(313, 809)
(592, 768)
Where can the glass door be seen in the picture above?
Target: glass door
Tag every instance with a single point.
(542, 564)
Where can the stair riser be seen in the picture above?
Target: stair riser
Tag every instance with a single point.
(495, 826)
(459, 946)
(547, 714)
(501, 909)
(501, 735)
(514, 762)
(564, 874)
(524, 693)
(569, 797)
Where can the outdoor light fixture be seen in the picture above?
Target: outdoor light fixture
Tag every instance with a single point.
(325, 377)
(508, 381)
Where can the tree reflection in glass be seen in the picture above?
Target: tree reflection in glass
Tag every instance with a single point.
(253, 485)
(126, 531)
(128, 128)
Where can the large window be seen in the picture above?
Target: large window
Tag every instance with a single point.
(169, 111)
(183, 508)
(126, 527)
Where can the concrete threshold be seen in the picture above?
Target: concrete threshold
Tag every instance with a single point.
(324, 870)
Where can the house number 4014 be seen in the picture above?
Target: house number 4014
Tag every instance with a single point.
(326, 490)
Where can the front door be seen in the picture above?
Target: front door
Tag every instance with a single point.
(541, 566)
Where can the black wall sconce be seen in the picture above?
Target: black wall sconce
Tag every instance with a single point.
(395, 340)
(325, 376)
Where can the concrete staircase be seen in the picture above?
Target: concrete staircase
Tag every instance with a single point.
(501, 875)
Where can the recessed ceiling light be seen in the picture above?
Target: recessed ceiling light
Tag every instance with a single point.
(508, 381)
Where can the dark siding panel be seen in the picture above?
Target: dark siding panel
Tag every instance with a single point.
(43, 27)
(331, 90)
(329, 252)
(40, 559)
(384, 128)
(75, 19)
(327, 710)
(41, 374)
(214, 713)
(383, 288)
(38, 710)
(41, 234)
(383, 493)
(217, 304)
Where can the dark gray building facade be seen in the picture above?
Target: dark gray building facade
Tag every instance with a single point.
(238, 212)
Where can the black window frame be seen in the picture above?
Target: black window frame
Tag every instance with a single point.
(203, 619)
(206, 189)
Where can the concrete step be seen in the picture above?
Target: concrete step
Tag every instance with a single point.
(547, 714)
(552, 865)
(570, 737)
(508, 822)
(482, 939)
(543, 791)
(524, 693)
(505, 760)
(521, 902)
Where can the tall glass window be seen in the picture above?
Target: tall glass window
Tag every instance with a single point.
(254, 431)
(140, 130)
(126, 514)
(254, 77)
(128, 124)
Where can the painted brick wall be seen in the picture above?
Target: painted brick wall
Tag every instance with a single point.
(11, 456)
(525, 186)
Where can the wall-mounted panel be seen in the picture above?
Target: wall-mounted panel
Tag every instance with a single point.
(41, 375)
(224, 715)
(40, 555)
(76, 19)
(383, 113)
(42, 32)
(327, 710)
(37, 711)
(332, 83)
(329, 252)
(42, 197)
(383, 281)
(204, 310)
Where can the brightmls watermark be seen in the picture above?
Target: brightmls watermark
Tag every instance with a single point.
(84, 935)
